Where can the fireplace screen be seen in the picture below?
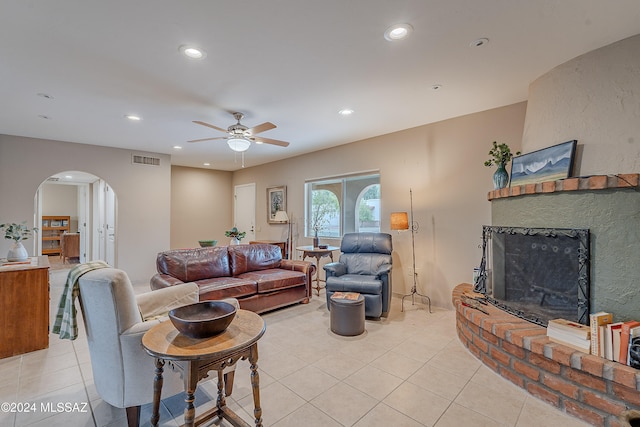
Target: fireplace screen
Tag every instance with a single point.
(537, 274)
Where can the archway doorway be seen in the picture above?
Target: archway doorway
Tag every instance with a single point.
(90, 205)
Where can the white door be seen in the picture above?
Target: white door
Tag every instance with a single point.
(110, 225)
(38, 221)
(83, 209)
(99, 236)
(104, 222)
(244, 210)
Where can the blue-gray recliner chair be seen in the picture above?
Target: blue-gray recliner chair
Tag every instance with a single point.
(364, 267)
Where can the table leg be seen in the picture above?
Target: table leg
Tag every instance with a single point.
(190, 384)
(220, 402)
(255, 384)
(318, 258)
(157, 392)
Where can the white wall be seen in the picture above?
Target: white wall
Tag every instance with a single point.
(61, 199)
(143, 193)
(442, 163)
(593, 98)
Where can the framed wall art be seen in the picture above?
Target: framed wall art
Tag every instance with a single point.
(547, 164)
(276, 201)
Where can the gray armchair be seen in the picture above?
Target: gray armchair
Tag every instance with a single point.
(115, 320)
(364, 267)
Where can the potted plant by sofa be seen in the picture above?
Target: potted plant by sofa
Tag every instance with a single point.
(235, 235)
(17, 233)
(500, 155)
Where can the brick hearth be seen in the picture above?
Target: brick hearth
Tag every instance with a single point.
(588, 387)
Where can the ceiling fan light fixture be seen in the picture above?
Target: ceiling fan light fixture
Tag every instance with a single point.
(238, 144)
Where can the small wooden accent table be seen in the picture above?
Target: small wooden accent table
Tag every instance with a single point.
(194, 358)
(69, 246)
(317, 253)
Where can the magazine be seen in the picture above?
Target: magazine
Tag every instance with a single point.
(352, 296)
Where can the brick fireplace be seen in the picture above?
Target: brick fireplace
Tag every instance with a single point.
(585, 386)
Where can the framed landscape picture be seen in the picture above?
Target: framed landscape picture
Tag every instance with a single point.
(547, 164)
(276, 201)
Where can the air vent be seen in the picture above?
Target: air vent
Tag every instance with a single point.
(145, 160)
(53, 179)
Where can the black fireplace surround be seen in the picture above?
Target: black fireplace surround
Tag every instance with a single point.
(537, 274)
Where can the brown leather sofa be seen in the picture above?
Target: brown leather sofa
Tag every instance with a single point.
(256, 275)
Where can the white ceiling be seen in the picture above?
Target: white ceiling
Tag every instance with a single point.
(294, 63)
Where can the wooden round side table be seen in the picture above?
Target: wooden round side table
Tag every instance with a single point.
(196, 357)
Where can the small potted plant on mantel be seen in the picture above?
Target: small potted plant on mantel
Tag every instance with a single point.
(500, 155)
(17, 233)
(235, 235)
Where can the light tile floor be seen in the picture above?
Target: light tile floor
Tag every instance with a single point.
(406, 370)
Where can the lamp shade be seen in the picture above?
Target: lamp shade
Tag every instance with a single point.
(399, 221)
(281, 216)
(238, 144)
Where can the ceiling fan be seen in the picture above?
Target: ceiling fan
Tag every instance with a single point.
(240, 136)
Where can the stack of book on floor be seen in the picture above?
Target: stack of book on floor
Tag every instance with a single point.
(615, 340)
(571, 334)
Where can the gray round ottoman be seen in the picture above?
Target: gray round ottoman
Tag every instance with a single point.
(347, 316)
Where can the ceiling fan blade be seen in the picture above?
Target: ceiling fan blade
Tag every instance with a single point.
(209, 126)
(261, 128)
(207, 139)
(271, 141)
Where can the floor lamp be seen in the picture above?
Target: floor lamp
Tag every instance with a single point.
(282, 217)
(400, 221)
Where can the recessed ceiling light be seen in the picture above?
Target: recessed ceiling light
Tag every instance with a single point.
(479, 42)
(192, 52)
(133, 117)
(398, 32)
(44, 95)
(177, 147)
(346, 112)
(207, 164)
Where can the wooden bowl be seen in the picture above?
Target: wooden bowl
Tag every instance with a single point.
(203, 319)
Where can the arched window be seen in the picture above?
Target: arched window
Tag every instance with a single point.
(368, 209)
(339, 205)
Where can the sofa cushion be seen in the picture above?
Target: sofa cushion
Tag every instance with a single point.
(225, 287)
(274, 279)
(244, 258)
(190, 265)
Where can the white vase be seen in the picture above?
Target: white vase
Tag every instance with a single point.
(234, 241)
(17, 252)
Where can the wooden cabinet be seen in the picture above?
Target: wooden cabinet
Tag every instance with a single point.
(53, 227)
(70, 244)
(24, 307)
